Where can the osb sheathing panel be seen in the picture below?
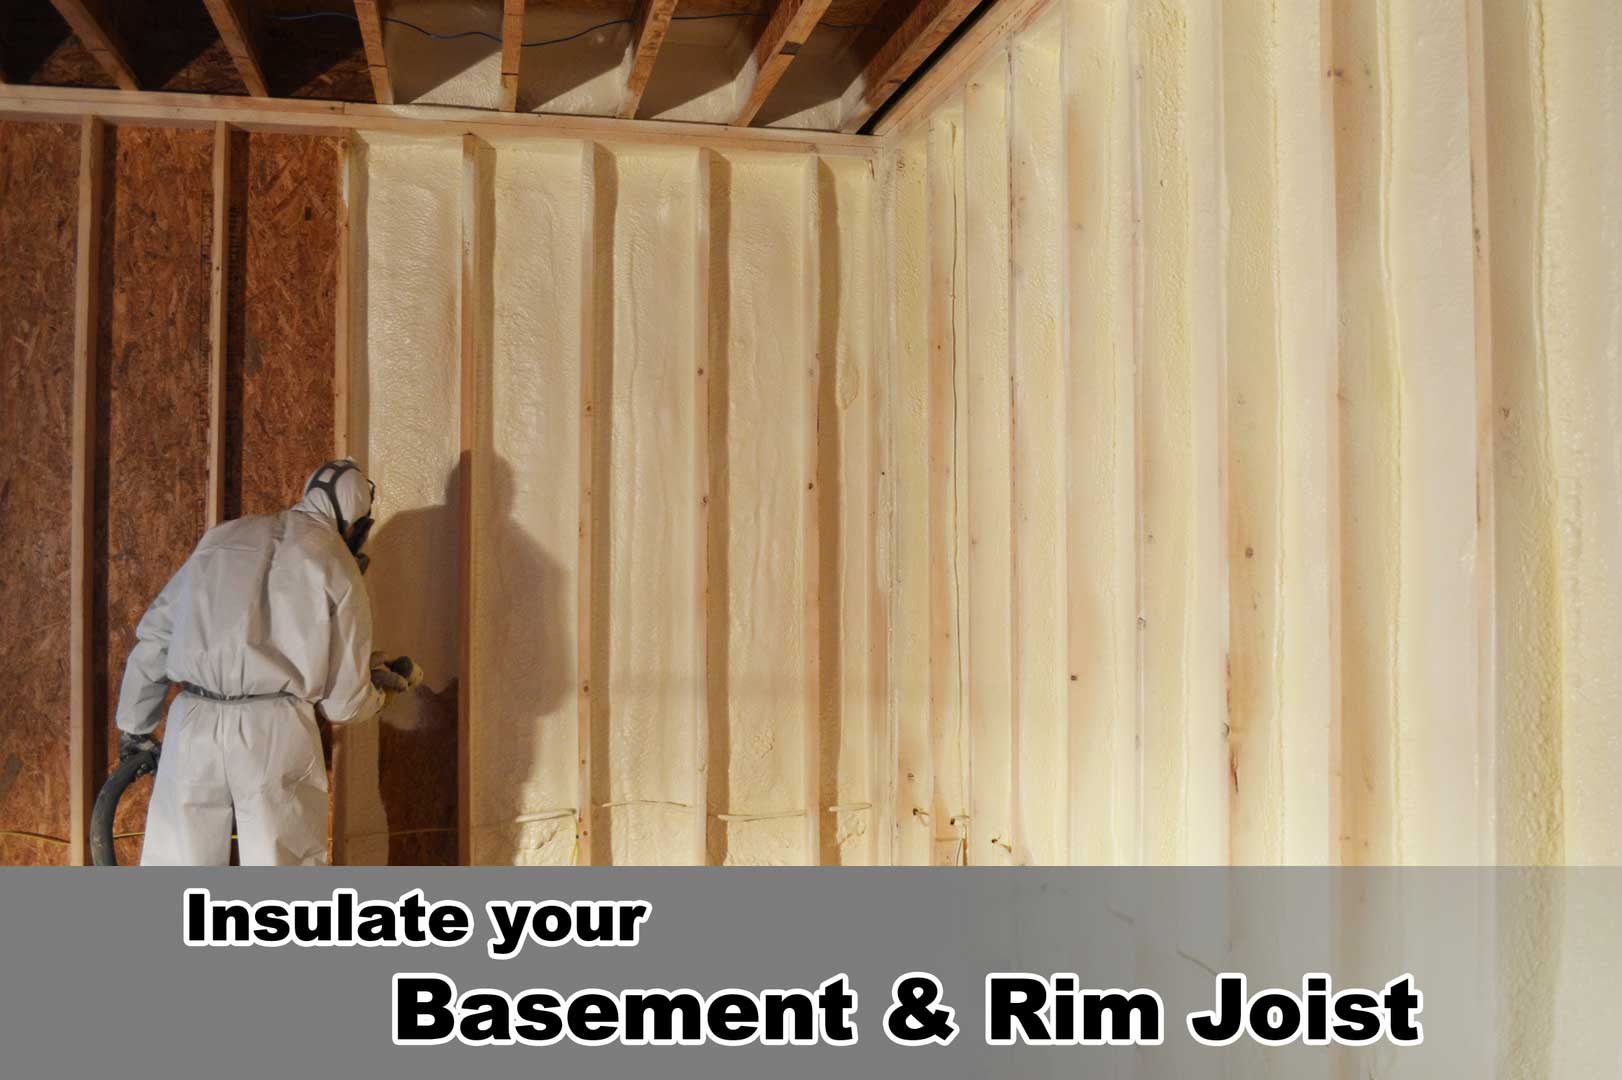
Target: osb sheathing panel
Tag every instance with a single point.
(286, 207)
(175, 47)
(401, 775)
(39, 166)
(314, 58)
(152, 443)
(39, 48)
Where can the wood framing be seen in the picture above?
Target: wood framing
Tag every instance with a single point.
(91, 25)
(585, 572)
(305, 115)
(369, 14)
(946, 76)
(471, 305)
(908, 46)
(218, 330)
(705, 166)
(343, 307)
(512, 51)
(82, 777)
(791, 23)
(648, 36)
(349, 165)
(811, 306)
(231, 20)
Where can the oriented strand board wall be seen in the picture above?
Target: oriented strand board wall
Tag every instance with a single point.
(39, 167)
(152, 390)
(286, 210)
(152, 407)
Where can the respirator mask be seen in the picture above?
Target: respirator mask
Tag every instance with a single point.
(325, 481)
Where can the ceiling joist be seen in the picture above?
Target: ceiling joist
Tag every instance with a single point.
(231, 20)
(90, 23)
(791, 24)
(512, 51)
(648, 35)
(369, 13)
(913, 41)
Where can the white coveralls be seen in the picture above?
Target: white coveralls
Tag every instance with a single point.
(272, 606)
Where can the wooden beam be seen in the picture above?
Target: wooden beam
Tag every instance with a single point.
(232, 22)
(791, 23)
(218, 330)
(91, 25)
(471, 306)
(83, 780)
(369, 14)
(512, 51)
(585, 574)
(307, 116)
(701, 480)
(912, 42)
(811, 333)
(945, 77)
(349, 165)
(652, 23)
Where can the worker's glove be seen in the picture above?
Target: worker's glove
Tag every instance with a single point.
(395, 675)
(129, 745)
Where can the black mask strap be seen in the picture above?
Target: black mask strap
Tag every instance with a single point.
(325, 481)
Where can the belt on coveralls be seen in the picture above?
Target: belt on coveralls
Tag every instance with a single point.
(209, 695)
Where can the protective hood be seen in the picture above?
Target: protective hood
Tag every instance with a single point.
(354, 496)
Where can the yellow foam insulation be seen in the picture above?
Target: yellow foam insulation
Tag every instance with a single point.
(1281, 372)
(1042, 740)
(985, 411)
(948, 815)
(409, 389)
(702, 74)
(1102, 554)
(1184, 753)
(758, 772)
(523, 774)
(1413, 746)
(904, 507)
(647, 402)
(1101, 473)
(852, 710)
(1580, 286)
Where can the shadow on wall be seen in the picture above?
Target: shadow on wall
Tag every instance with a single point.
(402, 784)
(526, 633)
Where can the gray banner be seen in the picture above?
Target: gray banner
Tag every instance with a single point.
(1518, 968)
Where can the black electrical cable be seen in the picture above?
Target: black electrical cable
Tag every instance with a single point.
(458, 35)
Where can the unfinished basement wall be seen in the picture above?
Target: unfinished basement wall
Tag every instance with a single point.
(670, 546)
(1307, 319)
(39, 167)
(153, 414)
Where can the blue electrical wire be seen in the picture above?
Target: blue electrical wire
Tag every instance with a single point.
(537, 44)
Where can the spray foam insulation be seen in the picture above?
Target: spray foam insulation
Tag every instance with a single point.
(39, 167)
(152, 393)
(1409, 422)
(787, 249)
(402, 773)
(702, 74)
(527, 543)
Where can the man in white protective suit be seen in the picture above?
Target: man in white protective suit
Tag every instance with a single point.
(267, 621)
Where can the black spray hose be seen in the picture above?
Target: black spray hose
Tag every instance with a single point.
(129, 770)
